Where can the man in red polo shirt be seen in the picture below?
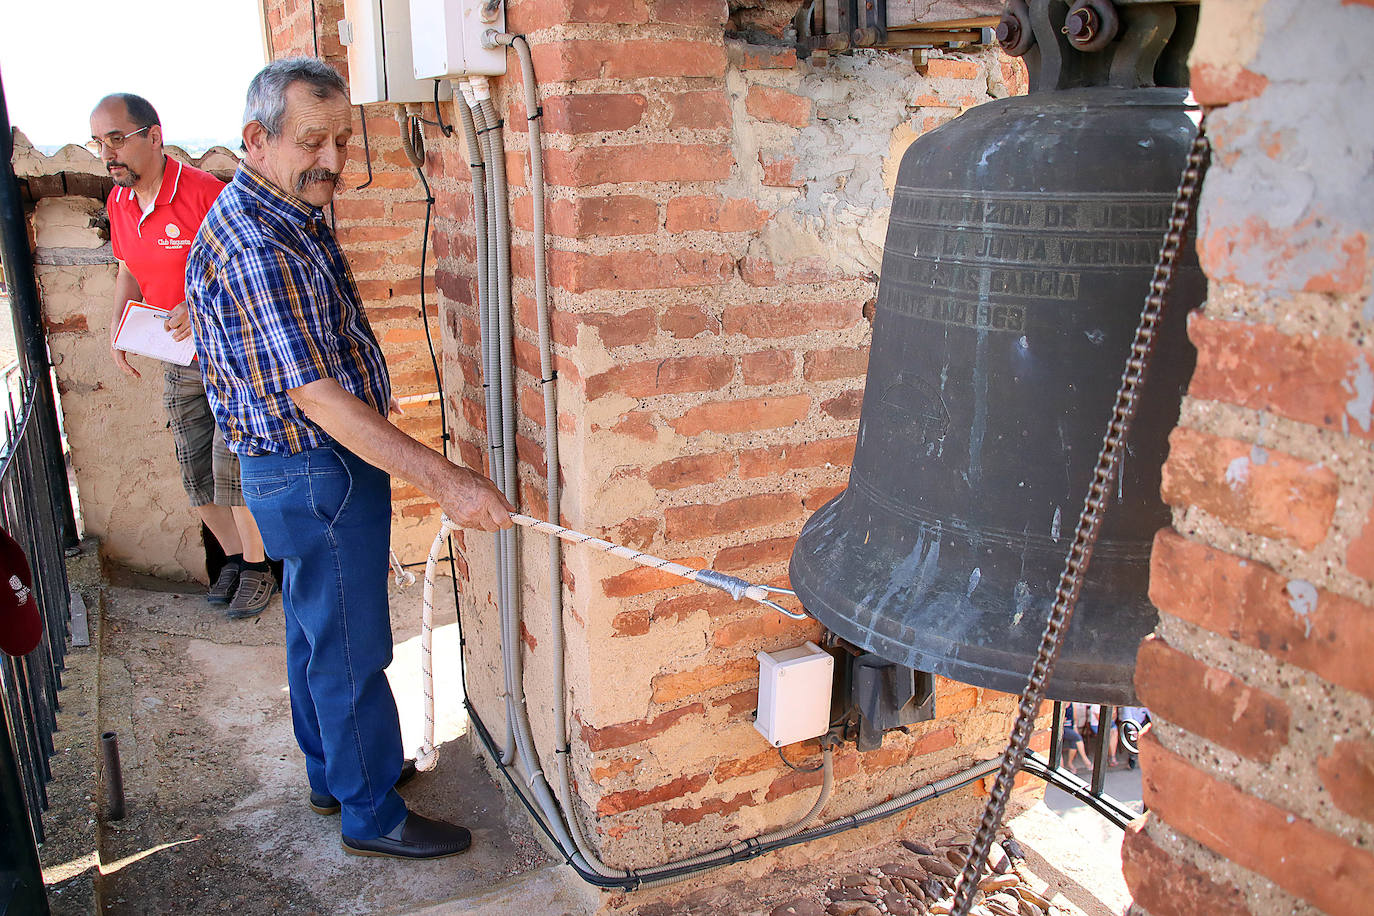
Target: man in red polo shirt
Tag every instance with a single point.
(155, 209)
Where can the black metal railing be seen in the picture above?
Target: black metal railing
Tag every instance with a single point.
(1092, 791)
(36, 509)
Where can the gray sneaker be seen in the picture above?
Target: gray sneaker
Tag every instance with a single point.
(223, 589)
(255, 591)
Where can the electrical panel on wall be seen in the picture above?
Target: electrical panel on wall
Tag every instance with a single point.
(376, 34)
(446, 37)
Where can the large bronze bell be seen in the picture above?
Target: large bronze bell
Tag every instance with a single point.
(1021, 244)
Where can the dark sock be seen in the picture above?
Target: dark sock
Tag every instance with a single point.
(259, 566)
(234, 559)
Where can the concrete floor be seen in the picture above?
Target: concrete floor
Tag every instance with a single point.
(215, 791)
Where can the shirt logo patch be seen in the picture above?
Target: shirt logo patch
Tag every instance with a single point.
(173, 231)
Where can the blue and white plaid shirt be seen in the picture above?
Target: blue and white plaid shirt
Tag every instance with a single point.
(274, 307)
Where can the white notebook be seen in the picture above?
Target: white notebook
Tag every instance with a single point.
(142, 330)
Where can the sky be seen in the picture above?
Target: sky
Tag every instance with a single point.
(59, 57)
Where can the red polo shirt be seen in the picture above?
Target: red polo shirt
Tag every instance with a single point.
(154, 247)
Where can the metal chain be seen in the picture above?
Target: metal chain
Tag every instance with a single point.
(1089, 524)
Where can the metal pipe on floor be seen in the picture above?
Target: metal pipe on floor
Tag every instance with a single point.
(113, 782)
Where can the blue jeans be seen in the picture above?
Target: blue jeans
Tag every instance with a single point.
(326, 514)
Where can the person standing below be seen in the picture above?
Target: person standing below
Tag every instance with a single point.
(155, 209)
(297, 379)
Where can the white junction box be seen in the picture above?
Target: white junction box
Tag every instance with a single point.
(446, 38)
(794, 694)
(376, 34)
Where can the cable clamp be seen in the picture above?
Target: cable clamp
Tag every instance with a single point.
(538, 113)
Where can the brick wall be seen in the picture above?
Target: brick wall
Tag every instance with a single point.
(380, 228)
(1260, 774)
(716, 215)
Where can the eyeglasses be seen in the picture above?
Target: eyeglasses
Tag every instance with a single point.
(113, 140)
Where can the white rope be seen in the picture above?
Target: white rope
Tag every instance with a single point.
(428, 755)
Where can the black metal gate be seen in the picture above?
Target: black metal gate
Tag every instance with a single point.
(35, 508)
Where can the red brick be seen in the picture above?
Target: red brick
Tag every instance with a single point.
(1359, 556)
(630, 623)
(684, 321)
(351, 207)
(840, 362)
(579, 272)
(766, 367)
(350, 235)
(623, 734)
(1267, 492)
(644, 579)
(628, 800)
(612, 768)
(68, 325)
(746, 766)
(765, 272)
(940, 739)
(691, 12)
(845, 766)
(674, 375)
(669, 688)
(638, 533)
(769, 104)
(1227, 252)
(730, 517)
(761, 462)
(702, 110)
(612, 11)
(1250, 603)
(953, 68)
(759, 57)
(789, 319)
(689, 816)
(951, 704)
(597, 217)
(761, 553)
(738, 704)
(1348, 775)
(593, 112)
(533, 15)
(691, 470)
(847, 406)
(1166, 886)
(743, 415)
(590, 166)
(714, 603)
(1305, 378)
(1215, 85)
(764, 626)
(715, 214)
(1306, 861)
(583, 59)
(615, 330)
(779, 170)
(1211, 703)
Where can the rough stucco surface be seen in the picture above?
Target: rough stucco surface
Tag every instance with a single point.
(122, 455)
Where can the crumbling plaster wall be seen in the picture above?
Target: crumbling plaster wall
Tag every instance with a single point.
(122, 455)
(1259, 775)
(716, 212)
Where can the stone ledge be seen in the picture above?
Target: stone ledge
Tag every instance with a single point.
(74, 257)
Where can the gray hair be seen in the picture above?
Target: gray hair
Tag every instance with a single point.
(267, 92)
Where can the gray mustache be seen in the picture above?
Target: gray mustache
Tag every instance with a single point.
(317, 175)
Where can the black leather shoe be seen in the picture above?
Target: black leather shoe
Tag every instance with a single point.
(324, 803)
(421, 838)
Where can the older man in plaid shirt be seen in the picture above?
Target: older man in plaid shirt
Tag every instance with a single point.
(297, 380)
